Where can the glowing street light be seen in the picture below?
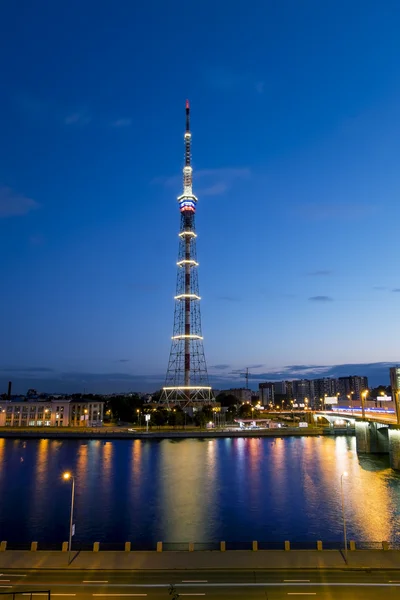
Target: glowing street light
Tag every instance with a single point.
(344, 474)
(67, 476)
(364, 394)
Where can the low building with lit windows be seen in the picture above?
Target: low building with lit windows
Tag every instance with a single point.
(60, 412)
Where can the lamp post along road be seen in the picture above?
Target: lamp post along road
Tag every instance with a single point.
(344, 515)
(66, 477)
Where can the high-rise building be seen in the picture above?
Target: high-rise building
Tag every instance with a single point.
(266, 393)
(186, 382)
(352, 386)
(303, 391)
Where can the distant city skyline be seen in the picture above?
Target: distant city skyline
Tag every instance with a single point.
(50, 381)
(296, 139)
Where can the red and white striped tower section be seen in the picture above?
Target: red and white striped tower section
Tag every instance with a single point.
(186, 382)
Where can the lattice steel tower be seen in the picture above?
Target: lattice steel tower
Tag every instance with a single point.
(187, 380)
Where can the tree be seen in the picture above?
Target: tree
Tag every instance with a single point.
(176, 417)
(200, 418)
(160, 417)
(123, 408)
(227, 399)
(245, 411)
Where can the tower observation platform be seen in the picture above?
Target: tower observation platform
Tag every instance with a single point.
(186, 382)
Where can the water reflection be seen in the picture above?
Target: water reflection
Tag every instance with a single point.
(196, 490)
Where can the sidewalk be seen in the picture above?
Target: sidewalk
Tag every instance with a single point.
(210, 560)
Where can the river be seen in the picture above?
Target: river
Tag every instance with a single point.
(206, 490)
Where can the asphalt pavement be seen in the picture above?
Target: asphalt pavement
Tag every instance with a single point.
(155, 585)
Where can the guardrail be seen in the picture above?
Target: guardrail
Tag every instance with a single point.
(222, 546)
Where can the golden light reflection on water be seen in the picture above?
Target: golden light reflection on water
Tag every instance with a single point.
(2, 450)
(188, 488)
(106, 469)
(277, 457)
(198, 489)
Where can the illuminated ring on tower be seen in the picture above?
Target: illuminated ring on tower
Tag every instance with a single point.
(191, 296)
(190, 233)
(186, 336)
(189, 387)
(187, 262)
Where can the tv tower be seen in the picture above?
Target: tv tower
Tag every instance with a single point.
(186, 382)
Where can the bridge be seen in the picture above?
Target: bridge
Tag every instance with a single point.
(377, 432)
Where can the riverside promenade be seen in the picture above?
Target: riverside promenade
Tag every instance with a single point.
(108, 433)
(201, 560)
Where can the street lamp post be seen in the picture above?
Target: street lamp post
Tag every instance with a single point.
(344, 474)
(67, 476)
(363, 396)
(351, 401)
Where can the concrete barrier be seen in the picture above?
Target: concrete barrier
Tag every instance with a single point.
(96, 546)
(127, 546)
(352, 545)
(287, 545)
(319, 545)
(191, 547)
(255, 546)
(34, 546)
(159, 546)
(385, 545)
(222, 546)
(64, 547)
(3, 546)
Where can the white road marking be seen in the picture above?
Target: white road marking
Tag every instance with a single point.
(194, 581)
(10, 575)
(94, 581)
(62, 594)
(4, 580)
(5, 586)
(394, 580)
(296, 580)
(192, 594)
(35, 594)
(302, 593)
(108, 595)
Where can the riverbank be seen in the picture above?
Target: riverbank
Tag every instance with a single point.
(108, 433)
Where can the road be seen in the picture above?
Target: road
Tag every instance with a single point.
(389, 418)
(214, 585)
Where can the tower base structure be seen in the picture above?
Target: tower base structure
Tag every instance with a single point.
(185, 396)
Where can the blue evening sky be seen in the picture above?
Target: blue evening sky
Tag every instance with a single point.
(296, 145)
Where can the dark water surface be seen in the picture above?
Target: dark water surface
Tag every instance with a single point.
(196, 490)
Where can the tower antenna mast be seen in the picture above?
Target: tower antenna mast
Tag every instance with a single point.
(187, 379)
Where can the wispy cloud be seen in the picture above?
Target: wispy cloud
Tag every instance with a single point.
(320, 273)
(396, 290)
(77, 118)
(123, 360)
(225, 79)
(36, 240)
(229, 298)
(13, 204)
(220, 367)
(321, 299)
(260, 85)
(331, 211)
(26, 370)
(379, 287)
(209, 182)
(127, 122)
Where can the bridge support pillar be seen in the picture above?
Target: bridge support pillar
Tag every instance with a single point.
(394, 448)
(372, 438)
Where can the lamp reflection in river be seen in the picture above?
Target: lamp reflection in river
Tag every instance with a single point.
(188, 484)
